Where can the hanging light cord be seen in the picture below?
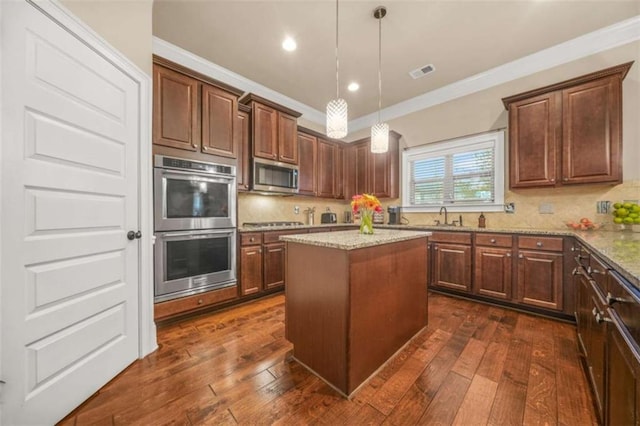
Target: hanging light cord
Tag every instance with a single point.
(379, 66)
(337, 67)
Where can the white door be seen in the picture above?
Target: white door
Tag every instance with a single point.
(69, 195)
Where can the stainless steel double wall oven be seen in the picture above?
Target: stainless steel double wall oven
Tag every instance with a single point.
(195, 224)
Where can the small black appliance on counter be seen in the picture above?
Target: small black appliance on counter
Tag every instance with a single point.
(395, 215)
(328, 218)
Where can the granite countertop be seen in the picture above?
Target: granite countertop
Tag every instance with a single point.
(352, 239)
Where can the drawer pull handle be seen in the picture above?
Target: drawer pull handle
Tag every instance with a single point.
(611, 299)
(601, 318)
(539, 244)
(493, 240)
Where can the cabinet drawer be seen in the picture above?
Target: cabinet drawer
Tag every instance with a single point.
(274, 236)
(451, 237)
(193, 303)
(626, 302)
(250, 238)
(540, 243)
(494, 240)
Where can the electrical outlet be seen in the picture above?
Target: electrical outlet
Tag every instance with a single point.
(510, 208)
(603, 207)
(545, 208)
(296, 209)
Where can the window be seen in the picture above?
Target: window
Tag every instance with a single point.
(464, 174)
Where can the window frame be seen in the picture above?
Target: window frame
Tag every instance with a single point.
(496, 138)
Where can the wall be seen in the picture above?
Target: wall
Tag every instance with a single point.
(484, 111)
(125, 24)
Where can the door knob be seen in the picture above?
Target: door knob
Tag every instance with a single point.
(133, 235)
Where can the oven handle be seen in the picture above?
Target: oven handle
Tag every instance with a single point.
(192, 234)
(200, 176)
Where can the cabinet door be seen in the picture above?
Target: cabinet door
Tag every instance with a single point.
(250, 270)
(219, 112)
(307, 151)
(274, 264)
(591, 132)
(265, 131)
(244, 153)
(379, 174)
(338, 172)
(623, 377)
(534, 132)
(493, 272)
(540, 279)
(287, 138)
(360, 169)
(451, 266)
(175, 110)
(326, 170)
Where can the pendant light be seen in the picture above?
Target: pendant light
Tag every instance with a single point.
(337, 108)
(379, 131)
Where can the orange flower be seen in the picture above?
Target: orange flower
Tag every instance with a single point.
(365, 202)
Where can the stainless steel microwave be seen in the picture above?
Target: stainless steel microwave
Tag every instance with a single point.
(274, 176)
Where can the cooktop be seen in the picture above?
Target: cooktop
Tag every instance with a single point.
(270, 224)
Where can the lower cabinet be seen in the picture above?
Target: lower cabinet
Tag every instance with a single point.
(273, 259)
(451, 261)
(493, 266)
(540, 272)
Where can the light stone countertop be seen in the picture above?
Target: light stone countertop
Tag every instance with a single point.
(352, 239)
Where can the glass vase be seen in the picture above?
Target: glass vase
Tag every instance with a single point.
(366, 222)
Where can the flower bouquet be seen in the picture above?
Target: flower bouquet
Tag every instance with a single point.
(365, 204)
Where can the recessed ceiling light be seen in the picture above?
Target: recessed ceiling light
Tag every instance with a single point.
(289, 44)
(353, 86)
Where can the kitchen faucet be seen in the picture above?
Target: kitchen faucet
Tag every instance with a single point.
(445, 214)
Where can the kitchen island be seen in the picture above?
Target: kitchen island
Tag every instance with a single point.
(352, 300)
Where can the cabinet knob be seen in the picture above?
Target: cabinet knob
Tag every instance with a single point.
(539, 244)
(520, 256)
(565, 179)
(435, 248)
(194, 145)
(259, 250)
(200, 301)
(493, 240)
(251, 239)
(508, 254)
(552, 180)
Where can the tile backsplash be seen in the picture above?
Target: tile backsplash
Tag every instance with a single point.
(534, 208)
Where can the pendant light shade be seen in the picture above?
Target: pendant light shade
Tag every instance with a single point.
(379, 131)
(337, 109)
(337, 118)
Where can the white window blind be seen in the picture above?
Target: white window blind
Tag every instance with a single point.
(466, 173)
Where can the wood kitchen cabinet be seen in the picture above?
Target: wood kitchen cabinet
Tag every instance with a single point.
(493, 265)
(450, 261)
(308, 154)
(250, 263)
(274, 130)
(540, 272)
(193, 116)
(243, 134)
(273, 259)
(569, 132)
(376, 174)
(327, 169)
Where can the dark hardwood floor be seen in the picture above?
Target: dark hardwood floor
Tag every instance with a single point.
(473, 365)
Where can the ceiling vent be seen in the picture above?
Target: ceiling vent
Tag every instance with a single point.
(422, 71)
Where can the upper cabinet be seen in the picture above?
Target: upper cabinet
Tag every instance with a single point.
(243, 142)
(370, 173)
(274, 130)
(569, 132)
(308, 153)
(193, 113)
(321, 165)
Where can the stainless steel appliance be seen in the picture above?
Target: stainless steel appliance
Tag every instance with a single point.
(328, 218)
(395, 215)
(274, 176)
(195, 224)
(190, 262)
(193, 194)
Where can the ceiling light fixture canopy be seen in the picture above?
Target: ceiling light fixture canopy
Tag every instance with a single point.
(337, 109)
(380, 130)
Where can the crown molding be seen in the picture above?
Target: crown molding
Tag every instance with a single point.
(606, 38)
(185, 58)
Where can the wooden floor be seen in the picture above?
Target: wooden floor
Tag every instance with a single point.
(474, 365)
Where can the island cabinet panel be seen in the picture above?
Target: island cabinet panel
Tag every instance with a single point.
(308, 154)
(175, 110)
(348, 320)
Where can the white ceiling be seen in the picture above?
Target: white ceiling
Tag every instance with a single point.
(461, 38)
